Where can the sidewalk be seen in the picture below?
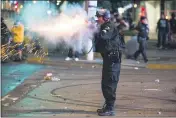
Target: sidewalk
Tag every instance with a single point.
(158, 59)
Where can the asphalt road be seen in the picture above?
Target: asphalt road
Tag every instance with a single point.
(140, 92)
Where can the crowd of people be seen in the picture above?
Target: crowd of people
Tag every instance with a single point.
(166, 34)
(166, 31)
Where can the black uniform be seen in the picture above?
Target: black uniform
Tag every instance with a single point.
(173, 25)
(109, 45)
(142, 40)
(163, 29)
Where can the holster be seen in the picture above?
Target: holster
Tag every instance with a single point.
(115, 56)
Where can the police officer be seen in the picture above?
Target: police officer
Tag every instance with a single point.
(142, 37)
(173, 23)
(121, 25)
(163, 29)
(108, 44)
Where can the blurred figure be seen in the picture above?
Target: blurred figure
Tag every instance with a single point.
(143, 31)
(5, 33)
(18, 37)
(121, 25)
(163, 29)
(172, 33)
(73, 52)
(173, 23)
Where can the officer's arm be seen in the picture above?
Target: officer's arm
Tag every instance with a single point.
(106, 33)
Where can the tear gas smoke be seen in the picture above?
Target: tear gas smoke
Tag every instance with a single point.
(71, 25)
(122, 10)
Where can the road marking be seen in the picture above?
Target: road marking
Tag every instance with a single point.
(6, 104)
(162, 66)
(37, 59)
(14, 99)
(152, 89)
(5, 97)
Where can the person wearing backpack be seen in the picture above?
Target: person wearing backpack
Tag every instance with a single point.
(108, 44)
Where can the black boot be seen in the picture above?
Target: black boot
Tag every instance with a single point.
(106, 111)
(146, 60)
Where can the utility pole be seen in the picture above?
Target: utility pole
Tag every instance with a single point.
(91, 8)
(162, 6)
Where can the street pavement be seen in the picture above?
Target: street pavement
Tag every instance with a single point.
(143, 90)
(13, 74)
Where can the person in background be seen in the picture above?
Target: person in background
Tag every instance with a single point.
(18, 37)
(143, 31)
(73, 53)
(121, 25)
(173, 24)
(5, 33)
(163, 30)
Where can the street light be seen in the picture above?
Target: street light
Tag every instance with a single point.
(135, 5)
(16, 6)
(15, 2)
(34, 1)
(21, 6)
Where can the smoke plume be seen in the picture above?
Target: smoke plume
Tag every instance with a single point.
(70, 25)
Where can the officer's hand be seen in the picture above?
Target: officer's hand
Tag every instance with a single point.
(103, 32)
(107, 28)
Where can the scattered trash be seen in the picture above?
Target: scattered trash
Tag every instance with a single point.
(33, 85)
(137, 62)
(7, 96)
(136, 68)
(14, 99)
(152, 89)
(55, 79)
(93, 66)
(48, 76)
(159, 113)
(6, 104)
(157, 80)
(55, 95)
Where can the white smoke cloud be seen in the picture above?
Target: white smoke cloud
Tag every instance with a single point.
(71, 25)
